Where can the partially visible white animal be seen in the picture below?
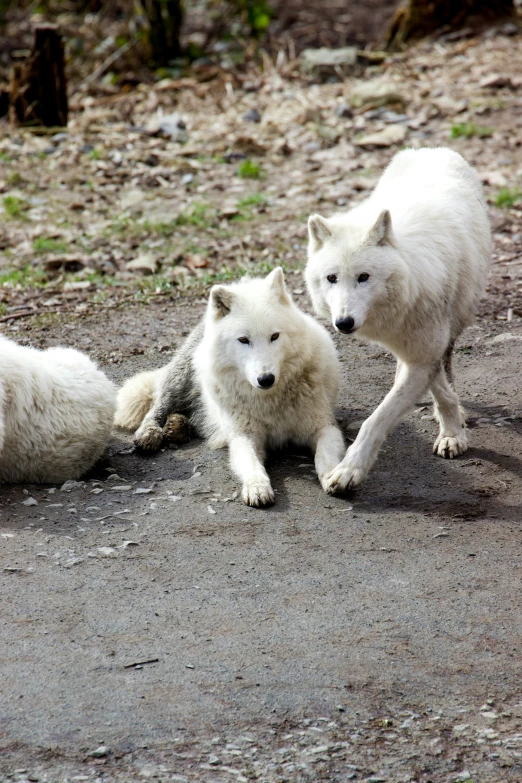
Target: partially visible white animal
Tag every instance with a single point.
(405, 268)
(56, 412)
(256, 374)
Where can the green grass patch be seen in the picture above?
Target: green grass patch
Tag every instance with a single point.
(508, 197)
(249, 169)
(94, 154)
(3, 308)
(45, 245)
(5, 157)
(27, 277)
(14, 179)
(200, 216)
(15, 207)
(254, 200)
(468, 129)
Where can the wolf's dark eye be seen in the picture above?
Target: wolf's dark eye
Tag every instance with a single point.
(274, 337)
(363, 278)
(244, 340)
(332, 278)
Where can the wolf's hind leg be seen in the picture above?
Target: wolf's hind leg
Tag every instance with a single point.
(149, 435)
(452, 439)
(329, 451)
(246, 460)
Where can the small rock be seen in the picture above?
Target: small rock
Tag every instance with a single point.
(496, 80)
(326, 62)
(344, 110)
(76, 285)
(374, 93)
(506, 337)
(100, 752)
(122, 488)
(493, 178)
(142, 491)
(172, 125)
(186, 179)
(132, 198)
(57, 139)
(29, 502)
(252, 115)
(393, 134)
(145, 263)
(229, 210)
(214, 760)
(70, 485)
(449, 106)
(248, 146)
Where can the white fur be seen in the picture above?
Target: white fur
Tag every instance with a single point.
(232, 408)
(56, 411)
(423, 237)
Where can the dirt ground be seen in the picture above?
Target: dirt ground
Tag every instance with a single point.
(152, 625)
(374, 637)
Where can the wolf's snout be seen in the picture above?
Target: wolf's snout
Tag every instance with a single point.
(266, 380)
(345, 324)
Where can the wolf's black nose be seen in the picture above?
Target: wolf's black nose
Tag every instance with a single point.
(345, 324)
(266, 381)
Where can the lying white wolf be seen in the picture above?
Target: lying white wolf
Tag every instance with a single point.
(256, 374)
(56, 412)
(405, 268)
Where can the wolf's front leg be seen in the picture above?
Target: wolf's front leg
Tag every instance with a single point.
(329, 450)
(246, 460)
(149, 435)
(411, 383)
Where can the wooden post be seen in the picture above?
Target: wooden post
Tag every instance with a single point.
(165, 18)
(418, 18)
(38, 87)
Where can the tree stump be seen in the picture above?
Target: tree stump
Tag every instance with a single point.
(38, 87)
(165, 18)
(418, 18)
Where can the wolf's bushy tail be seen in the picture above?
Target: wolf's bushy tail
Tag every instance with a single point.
(135, 399)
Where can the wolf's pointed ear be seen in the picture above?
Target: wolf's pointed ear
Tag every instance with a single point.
(221, 299)
(381, 232)
(276, 281)
(318, 231)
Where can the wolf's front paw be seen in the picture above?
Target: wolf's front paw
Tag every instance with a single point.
(450, 447)
(149, 438)
(257, 492)
(347, 475)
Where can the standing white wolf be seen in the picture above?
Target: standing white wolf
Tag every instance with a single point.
(256, 374)
(405, 268)
(56, 412)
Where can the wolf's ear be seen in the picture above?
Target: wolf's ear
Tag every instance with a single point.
(318, 231)
(276, 281)
(221, 299)
(381, 232)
